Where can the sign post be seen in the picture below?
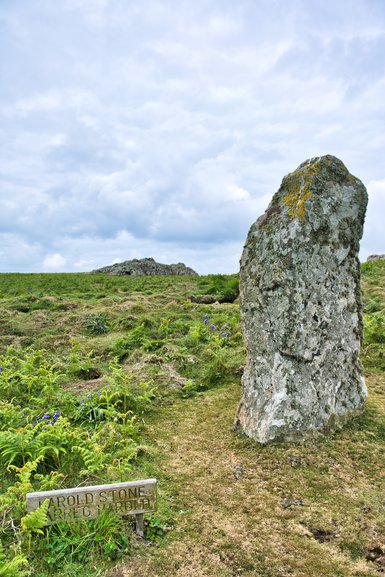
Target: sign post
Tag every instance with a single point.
(81, 503)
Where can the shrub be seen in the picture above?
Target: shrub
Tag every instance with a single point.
(96, 324)
(224, 287)
(374, 331)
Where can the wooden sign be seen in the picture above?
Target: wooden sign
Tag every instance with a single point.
(79, 503)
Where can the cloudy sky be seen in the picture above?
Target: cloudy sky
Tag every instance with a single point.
(162, 128)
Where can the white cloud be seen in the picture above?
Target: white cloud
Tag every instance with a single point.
(53, 101)
(204, 259)
(84, 265)
(237, 193)
(54, 262)
(374, 240)
(175, 122)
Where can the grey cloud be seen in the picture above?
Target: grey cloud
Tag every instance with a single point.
(171, 124)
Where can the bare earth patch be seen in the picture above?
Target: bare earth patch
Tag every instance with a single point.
(227, 495)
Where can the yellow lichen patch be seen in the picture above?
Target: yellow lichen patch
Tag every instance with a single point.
(298, 189)
(295, 199)
(298, 184)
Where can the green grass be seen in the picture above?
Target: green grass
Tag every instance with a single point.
(108, 378)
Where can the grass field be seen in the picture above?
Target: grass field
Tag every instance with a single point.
(105, 379)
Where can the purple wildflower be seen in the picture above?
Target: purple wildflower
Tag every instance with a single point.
(1, 369)
(206, 319)
(99, 393)
(223, 334)
(45, 417)
(213, 327)
(55, 417)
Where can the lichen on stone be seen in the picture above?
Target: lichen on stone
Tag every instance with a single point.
(296, 198)
(301, 307)
(298, 187)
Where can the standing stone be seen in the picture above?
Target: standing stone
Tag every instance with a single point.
(301, 306)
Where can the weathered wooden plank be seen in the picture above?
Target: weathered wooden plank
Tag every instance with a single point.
(139, 525)
(131, 498)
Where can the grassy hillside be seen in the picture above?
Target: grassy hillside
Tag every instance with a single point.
(105, 379)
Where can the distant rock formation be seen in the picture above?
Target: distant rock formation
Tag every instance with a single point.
(146, 267)
(301, 306)
(375, 257)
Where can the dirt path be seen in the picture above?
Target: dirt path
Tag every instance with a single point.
(227, 499)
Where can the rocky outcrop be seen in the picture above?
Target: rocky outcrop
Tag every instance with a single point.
(301, 306)
(146, 267)
(375, 257)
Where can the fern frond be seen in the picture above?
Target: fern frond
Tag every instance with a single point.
(24, 473)
(92, 458)
(16, 567)
(34, 521)
(19, 445)
(49, 482)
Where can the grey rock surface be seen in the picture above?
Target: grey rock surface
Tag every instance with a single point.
(301, 306)
(146, 267)
(374, 257)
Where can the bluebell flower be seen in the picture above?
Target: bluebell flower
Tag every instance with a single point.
(1, 369)
(213, 327)
(99, 393)
(206, 319)
(223, 335)
(45, 417)
(55, 417)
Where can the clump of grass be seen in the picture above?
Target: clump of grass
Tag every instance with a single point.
(373, 281)
(375, 327)
(96, 324)
(107, 537)
(224, 287)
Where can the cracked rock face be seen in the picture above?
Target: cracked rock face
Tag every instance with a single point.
(301, 306)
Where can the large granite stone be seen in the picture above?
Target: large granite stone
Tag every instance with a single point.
(301, 306)
(375, 257)
(146, 267)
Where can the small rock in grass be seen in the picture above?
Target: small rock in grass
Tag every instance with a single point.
(238, 472)
(287, 503)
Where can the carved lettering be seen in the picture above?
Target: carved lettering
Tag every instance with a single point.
(131, 498)
(71, 500)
